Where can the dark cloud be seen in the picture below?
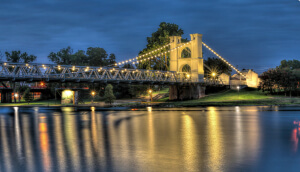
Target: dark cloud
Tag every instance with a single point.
(254, 34)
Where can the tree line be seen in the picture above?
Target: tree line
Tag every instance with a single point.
(284, 78)
(96, 56)
(93, 56)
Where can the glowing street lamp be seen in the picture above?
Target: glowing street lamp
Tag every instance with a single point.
(238, 88)
(188, 76)
(150, 93)
(93, 93)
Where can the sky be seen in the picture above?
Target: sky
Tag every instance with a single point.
(253, 34)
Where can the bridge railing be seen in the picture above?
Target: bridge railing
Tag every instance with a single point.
(37, 71)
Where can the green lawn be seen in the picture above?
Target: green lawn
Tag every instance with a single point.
(162, 91)
(37, 102)
(247, 96)
(233, 95)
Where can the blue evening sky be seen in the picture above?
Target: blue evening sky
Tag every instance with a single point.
(254, 34)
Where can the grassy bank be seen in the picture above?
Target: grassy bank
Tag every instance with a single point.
(247, 96)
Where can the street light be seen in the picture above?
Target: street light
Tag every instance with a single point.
(150, 93)
(188, 76)
(238, 88)
(93, 95)
(213, 75)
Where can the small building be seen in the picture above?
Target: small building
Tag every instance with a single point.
(237, 80)
(252, 78)
(225, 79)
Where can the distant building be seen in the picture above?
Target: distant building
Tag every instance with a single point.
(224, 78)
(235, 80)
(252, 78)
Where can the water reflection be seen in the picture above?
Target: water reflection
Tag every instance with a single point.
(211, 139)
(215, 140)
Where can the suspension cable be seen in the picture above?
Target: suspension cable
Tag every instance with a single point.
(230, 65)
(140, 58)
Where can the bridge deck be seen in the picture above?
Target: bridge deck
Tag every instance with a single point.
(67, 73)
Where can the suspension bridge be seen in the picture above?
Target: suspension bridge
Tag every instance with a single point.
(183, 70)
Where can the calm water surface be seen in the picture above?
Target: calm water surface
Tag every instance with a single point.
(184, 139)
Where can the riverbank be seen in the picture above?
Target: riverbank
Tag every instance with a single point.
(245, 97)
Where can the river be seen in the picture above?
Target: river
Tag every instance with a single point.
(250, 138)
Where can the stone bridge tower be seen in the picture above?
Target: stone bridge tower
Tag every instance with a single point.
(187, 58)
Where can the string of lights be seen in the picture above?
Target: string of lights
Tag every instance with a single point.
(230, 65)
(138, 59)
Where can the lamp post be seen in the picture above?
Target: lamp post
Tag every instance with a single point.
(15, 96)
(238, 88)
(188, 76)
(93, 95)
(214, 74)
(150, 93)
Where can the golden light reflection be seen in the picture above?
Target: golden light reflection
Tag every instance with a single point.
(44, 144)
(6, 153)
(239, 143)
(149, 109)
(215, 140)
(87, 146)
(189, 142)
(71, 139)
(43, 127)
(59, 139)
(28, 146)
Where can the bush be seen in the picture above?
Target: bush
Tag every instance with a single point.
(28, 96)
(108, 94)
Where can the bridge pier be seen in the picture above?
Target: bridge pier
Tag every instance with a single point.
(186, 92)
(6, 96)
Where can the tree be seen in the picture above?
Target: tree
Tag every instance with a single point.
(108, 94)
(27, 95)
(217, 66)
(1, 56)
(62, 57)
(79, 58)
(18, 57)
(94, 56)
(158, 39)
(280, 79)
(112, 59)
(97, 56)
(290, 64)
